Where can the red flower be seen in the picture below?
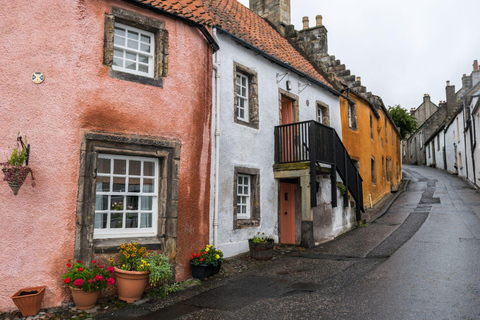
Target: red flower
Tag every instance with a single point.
(78, 283)
(69, 265)
(110, 281)
(111, 269)
(80, 269)
(193, 256)
(79, 261)
(101, 267)
(98, 277)
(198, 255)
(93, 261)
(67, 280)
(206, 252)
(90, 281)
(201, 259)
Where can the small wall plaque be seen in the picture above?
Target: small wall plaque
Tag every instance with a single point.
(38, 77)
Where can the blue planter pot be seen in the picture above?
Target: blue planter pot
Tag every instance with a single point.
(203, 271)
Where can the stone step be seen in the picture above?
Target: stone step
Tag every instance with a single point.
(349, 78)
(343, 73)
(339, 68)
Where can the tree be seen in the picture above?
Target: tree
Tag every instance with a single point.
(403, 120)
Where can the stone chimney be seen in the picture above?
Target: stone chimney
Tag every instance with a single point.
(306, 23)
(466, 81)
(426, 98)
(275, 11)
(451, 98)
(475, 65)
(412, 112)
(319, 19)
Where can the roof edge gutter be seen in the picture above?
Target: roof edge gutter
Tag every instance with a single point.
(208, 36)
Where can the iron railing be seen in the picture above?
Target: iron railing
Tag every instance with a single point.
(310, 141)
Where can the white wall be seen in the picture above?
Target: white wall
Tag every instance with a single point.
(254, 148)
(455, 146)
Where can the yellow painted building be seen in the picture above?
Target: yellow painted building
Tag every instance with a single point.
(374, 143)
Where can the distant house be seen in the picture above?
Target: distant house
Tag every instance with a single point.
(123, 116)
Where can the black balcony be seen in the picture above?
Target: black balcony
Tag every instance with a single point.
(313, 142)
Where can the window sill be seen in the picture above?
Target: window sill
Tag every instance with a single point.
(111, 245)
(246, 223)
(116, 74)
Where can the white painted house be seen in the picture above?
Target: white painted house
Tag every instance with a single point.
(261, 82)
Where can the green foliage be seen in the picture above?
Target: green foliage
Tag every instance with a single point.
(403, 120)
(165, 290)
(261, 238)
(19, 154)
(160, 269)
(342, 187)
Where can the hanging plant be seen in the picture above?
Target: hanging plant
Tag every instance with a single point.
(16, 168)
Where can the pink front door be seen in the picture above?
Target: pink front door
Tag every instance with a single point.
(287, 213)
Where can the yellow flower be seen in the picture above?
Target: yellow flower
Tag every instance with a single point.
(148, 264)
(207, 249)
(133, 254)
(219, 251)
(111, 259)
(141, 266)
(217, 256)
(127, 255)
(123, 265)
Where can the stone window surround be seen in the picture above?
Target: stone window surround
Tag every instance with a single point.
(254, 220)
(295, 104)
(167, 151)
(253, 108)
(157, 27)
(325, 112)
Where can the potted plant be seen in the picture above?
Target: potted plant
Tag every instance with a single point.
(138, 268)
(206, 262)
(29, 300)
(86, 283)
(16, 168)
(261, 246)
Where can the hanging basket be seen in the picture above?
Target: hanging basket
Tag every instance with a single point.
(16, 176)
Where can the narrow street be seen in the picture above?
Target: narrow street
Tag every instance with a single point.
(421, 260)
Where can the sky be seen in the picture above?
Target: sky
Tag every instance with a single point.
(400, 49)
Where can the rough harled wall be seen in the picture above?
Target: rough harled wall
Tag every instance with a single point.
(455, 146)
(66, 44)
(247, 147)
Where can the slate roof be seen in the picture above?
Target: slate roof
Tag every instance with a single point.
(235, 18)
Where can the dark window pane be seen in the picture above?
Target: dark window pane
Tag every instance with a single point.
(117, 203)
(103, 184)
(116, 220)
(134, 185)
(132, 203)
(118, 184)
(149, 169)
(103, 165)
(119, 166)
(131, 220)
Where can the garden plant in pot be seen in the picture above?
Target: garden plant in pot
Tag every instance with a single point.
(16, 168)
(86, 283)
(206, 262)
(261, 246)
(138, 268)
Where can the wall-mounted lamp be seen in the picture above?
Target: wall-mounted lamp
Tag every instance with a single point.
(289, 85)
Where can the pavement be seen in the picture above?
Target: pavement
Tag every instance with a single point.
(420, 259)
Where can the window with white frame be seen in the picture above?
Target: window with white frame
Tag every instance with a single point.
(126, 196)
(242, 97)
(133, 50)
(243, 196)
(319, 115)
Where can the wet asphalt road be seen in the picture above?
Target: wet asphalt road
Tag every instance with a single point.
(421, 260)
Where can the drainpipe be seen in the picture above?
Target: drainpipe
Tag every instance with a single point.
(216, 68)
(465, 139)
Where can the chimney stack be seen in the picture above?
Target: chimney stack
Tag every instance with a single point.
(451, 98)
(306, 23)
(359, 79)
(319, 19)
(275, 11)
(475, 65)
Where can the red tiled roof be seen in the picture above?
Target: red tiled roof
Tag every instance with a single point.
(194, 10)
(238, 20)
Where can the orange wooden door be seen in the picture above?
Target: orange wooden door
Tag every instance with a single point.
(287, 132)
(287, 213)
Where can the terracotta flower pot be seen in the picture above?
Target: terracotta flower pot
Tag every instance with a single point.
(131, 284)
(83, 299)
(29, 305)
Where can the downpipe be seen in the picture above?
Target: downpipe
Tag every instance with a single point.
(216, 68)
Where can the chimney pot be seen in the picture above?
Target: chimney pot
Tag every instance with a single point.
(448, 83)
(464, 75)
(305, 23)
(359, 79)
(319, 20)
(475, 65)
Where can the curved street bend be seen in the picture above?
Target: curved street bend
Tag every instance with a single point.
(421, 260)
